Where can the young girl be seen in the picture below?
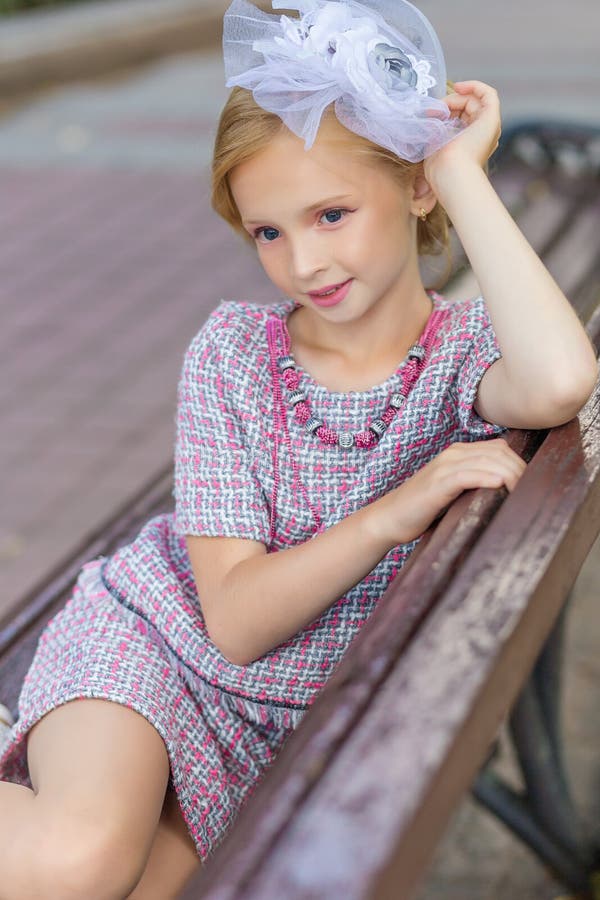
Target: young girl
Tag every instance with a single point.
(317, 438)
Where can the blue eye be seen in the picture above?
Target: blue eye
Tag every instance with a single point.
(268, 234)
(333, 215)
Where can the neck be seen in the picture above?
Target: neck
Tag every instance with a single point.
(379, 338)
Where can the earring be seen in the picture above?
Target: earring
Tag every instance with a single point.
(423, 214)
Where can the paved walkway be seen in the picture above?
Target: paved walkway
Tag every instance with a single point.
(109, 262)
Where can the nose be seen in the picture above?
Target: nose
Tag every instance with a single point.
(307, 256)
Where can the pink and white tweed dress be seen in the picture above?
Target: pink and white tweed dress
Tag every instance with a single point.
(133, 632)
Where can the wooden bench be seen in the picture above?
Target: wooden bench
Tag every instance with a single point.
(471, 629)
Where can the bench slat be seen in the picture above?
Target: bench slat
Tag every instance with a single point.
(577, 253)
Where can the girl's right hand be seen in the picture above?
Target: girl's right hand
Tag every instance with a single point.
(411, 508)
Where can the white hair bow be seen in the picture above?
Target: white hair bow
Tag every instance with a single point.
(380, 62)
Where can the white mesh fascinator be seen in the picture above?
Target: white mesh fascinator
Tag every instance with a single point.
(379, 61)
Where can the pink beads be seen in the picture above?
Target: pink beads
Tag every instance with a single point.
(327, 435)
(291, 379)
(365, 440)
(303, 414)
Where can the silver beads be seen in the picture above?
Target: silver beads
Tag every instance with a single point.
(312, 425)
(285, 362)
(417, 351)
(346, 440)
(296, 397)
(378, 427)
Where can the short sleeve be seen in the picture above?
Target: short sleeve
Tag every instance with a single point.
(216, 489)
(481, 350)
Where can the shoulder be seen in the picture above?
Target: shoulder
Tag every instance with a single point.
(233, 335)
(230, 321)
(463, 319)
(465, 343)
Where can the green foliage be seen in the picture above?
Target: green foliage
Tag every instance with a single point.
(13, 6)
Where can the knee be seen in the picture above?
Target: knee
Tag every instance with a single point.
(92, 862)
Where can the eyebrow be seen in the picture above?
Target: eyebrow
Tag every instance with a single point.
(320, 204)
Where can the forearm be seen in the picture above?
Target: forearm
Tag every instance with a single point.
(267, 599)
(544, 347)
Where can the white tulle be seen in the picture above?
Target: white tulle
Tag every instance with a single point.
(379, 61)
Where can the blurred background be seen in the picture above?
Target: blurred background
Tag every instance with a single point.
(111, 259)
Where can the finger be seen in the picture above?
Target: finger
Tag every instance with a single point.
(456, 106)
(476, 477)
(481, 446)
(456, 101)
(484, 476)
(508, 459)
(501, 466)
(437, 114)
(513, 457)
(473, 106)
(479, 88)
(488, 96)
(466, 451)
(505, 468)
(512, 475)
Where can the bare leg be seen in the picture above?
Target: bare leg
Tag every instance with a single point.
(173, 858)
(99, 773)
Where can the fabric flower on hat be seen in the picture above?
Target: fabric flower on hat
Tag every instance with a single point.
(351, 49)
(401, 69)
(382, 83)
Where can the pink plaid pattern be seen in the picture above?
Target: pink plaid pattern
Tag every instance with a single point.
(133, 630)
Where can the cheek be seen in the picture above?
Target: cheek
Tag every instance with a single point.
(272, 263)
(372, 242)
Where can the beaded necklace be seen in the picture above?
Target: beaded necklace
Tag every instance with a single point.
(364, 440)
(283, 369)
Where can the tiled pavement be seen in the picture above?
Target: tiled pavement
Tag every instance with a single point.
(109, 263)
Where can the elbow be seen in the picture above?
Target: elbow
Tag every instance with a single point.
(577, 394)
(233, 656)
(228, 628)
(569, 398)
(226, 644)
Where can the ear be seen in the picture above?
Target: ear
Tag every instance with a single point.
(422, 196)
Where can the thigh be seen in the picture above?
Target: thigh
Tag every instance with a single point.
(96, 764)
(173, 858)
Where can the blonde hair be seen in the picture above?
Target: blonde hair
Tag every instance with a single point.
(245, 128)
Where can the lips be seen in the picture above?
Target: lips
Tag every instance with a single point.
(332, 294)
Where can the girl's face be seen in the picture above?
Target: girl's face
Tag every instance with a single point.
(334, 231)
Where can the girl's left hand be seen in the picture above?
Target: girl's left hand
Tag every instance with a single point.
(477, 105)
